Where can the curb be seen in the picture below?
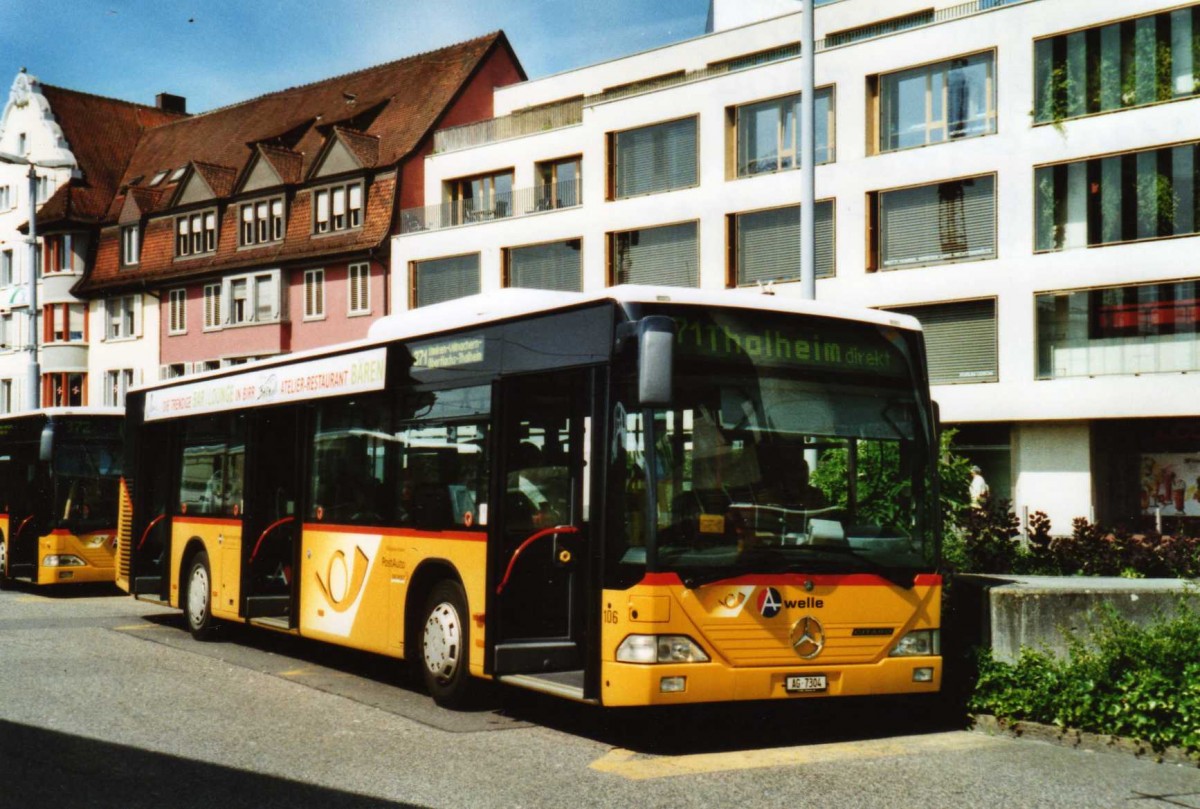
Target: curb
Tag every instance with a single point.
(1083, 740)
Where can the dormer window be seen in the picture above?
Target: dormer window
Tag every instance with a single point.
(262, 221)
(158, 178)
(196, 233)
(338, 207)
(131, 245)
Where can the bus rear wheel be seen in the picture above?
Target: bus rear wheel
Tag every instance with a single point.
(197, 600)
(5, 582)
(445, 641)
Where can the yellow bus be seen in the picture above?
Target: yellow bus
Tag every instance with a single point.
(59, 476)
(639, 496)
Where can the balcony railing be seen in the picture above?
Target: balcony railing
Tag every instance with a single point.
(520, 123)
(521, 202)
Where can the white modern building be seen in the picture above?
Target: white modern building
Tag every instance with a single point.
(1020, 174)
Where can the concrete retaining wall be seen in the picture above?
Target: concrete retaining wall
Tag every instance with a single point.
(1036, 611)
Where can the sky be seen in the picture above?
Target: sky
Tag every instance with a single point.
(220, 52)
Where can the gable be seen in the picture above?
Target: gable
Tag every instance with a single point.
(262, 175)
(130, 211)
(338, 160)
(195, 189)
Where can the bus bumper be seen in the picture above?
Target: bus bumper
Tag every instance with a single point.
(630, 684)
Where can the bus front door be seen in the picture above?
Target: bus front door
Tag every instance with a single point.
(269, 517)
(539, 558)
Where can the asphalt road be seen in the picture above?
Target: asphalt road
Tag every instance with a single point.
(107, 702)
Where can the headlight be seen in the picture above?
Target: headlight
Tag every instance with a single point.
(919, 642)
(62, 560)
(660, 649)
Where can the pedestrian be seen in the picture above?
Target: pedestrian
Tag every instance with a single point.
(980, 492)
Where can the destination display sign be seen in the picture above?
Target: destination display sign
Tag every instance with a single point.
(360, 372)
(800, 342)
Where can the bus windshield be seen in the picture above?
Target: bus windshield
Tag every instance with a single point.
(765, 467)
(86, 474)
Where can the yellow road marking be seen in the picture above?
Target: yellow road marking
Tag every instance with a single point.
(303, 672)
(138, 627)
(635, 767)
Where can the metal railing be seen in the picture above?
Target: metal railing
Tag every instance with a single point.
(520, 202)
(570, 113)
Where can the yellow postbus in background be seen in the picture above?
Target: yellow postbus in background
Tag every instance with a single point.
(59, 475)
(638, 496)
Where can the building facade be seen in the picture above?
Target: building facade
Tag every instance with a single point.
(1019, 174)
(263, 227)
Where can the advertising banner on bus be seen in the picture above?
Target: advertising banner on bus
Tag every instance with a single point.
(359, 372)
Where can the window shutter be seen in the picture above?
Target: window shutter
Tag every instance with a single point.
(768, 244)
(663, 255)
(360, 287)
(212, 305)
(656, 158)
(445, 279)
(960, 340)
(938, 222)
(547, 266)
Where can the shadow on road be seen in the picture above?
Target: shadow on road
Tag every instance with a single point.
(66, 592)
(46, 768)
(386, 683)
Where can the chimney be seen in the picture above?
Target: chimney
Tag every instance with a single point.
(171, 103)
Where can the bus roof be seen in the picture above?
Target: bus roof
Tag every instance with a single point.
(510, 302)
(64, 411)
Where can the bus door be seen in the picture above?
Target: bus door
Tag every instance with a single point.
(539, 572)
(154, 496)
(27, 509)
(269, 514)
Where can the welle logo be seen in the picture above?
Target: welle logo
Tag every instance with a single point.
(771, 603)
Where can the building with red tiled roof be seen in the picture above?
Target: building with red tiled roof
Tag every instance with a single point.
(81, 145)
(263, 227)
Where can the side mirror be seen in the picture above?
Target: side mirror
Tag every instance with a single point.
(656, 360)
(46, 444)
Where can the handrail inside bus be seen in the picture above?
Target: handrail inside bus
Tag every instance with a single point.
(558, 529)
(266, 531)
(150, 528)
(21, 527)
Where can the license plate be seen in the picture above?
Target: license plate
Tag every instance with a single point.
(805, 682)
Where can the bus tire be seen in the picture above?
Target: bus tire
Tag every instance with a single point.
(197, 597)
(444, 646)
(5, 581)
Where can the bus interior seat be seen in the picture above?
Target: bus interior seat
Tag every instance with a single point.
(433, 509)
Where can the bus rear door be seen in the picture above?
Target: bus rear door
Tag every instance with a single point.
(269, 516)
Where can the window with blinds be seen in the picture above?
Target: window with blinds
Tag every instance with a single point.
(653, 159)
(960, 340)
(360, 289)
(314, 294)
(212, 306)
(178, 313)
(555, 266)
(667, 256)
(936, 223)
(768, 244)
(444, 279)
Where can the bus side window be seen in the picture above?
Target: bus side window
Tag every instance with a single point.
(443, 476)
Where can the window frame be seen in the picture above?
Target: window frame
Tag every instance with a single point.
(876, 85)
(252, 282)
(267, 222)
(734, 117)
(613, 140)
(314, 301)
(495, 204)
(506, 259)
(352, 217)
(415, 266)
(177, 311)
(611, 246)
(190, 242)
(358, 276)
(131, 245)
(733, 280)
(875, 260)
(125, 310)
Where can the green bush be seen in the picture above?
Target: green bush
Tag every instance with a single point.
(1118, 678)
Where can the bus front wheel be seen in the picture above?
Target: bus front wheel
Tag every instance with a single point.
(5, 582)
(445, 641)
(197, 603)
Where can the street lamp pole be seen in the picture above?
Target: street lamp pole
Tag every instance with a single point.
(34, 371)
(808, 184)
